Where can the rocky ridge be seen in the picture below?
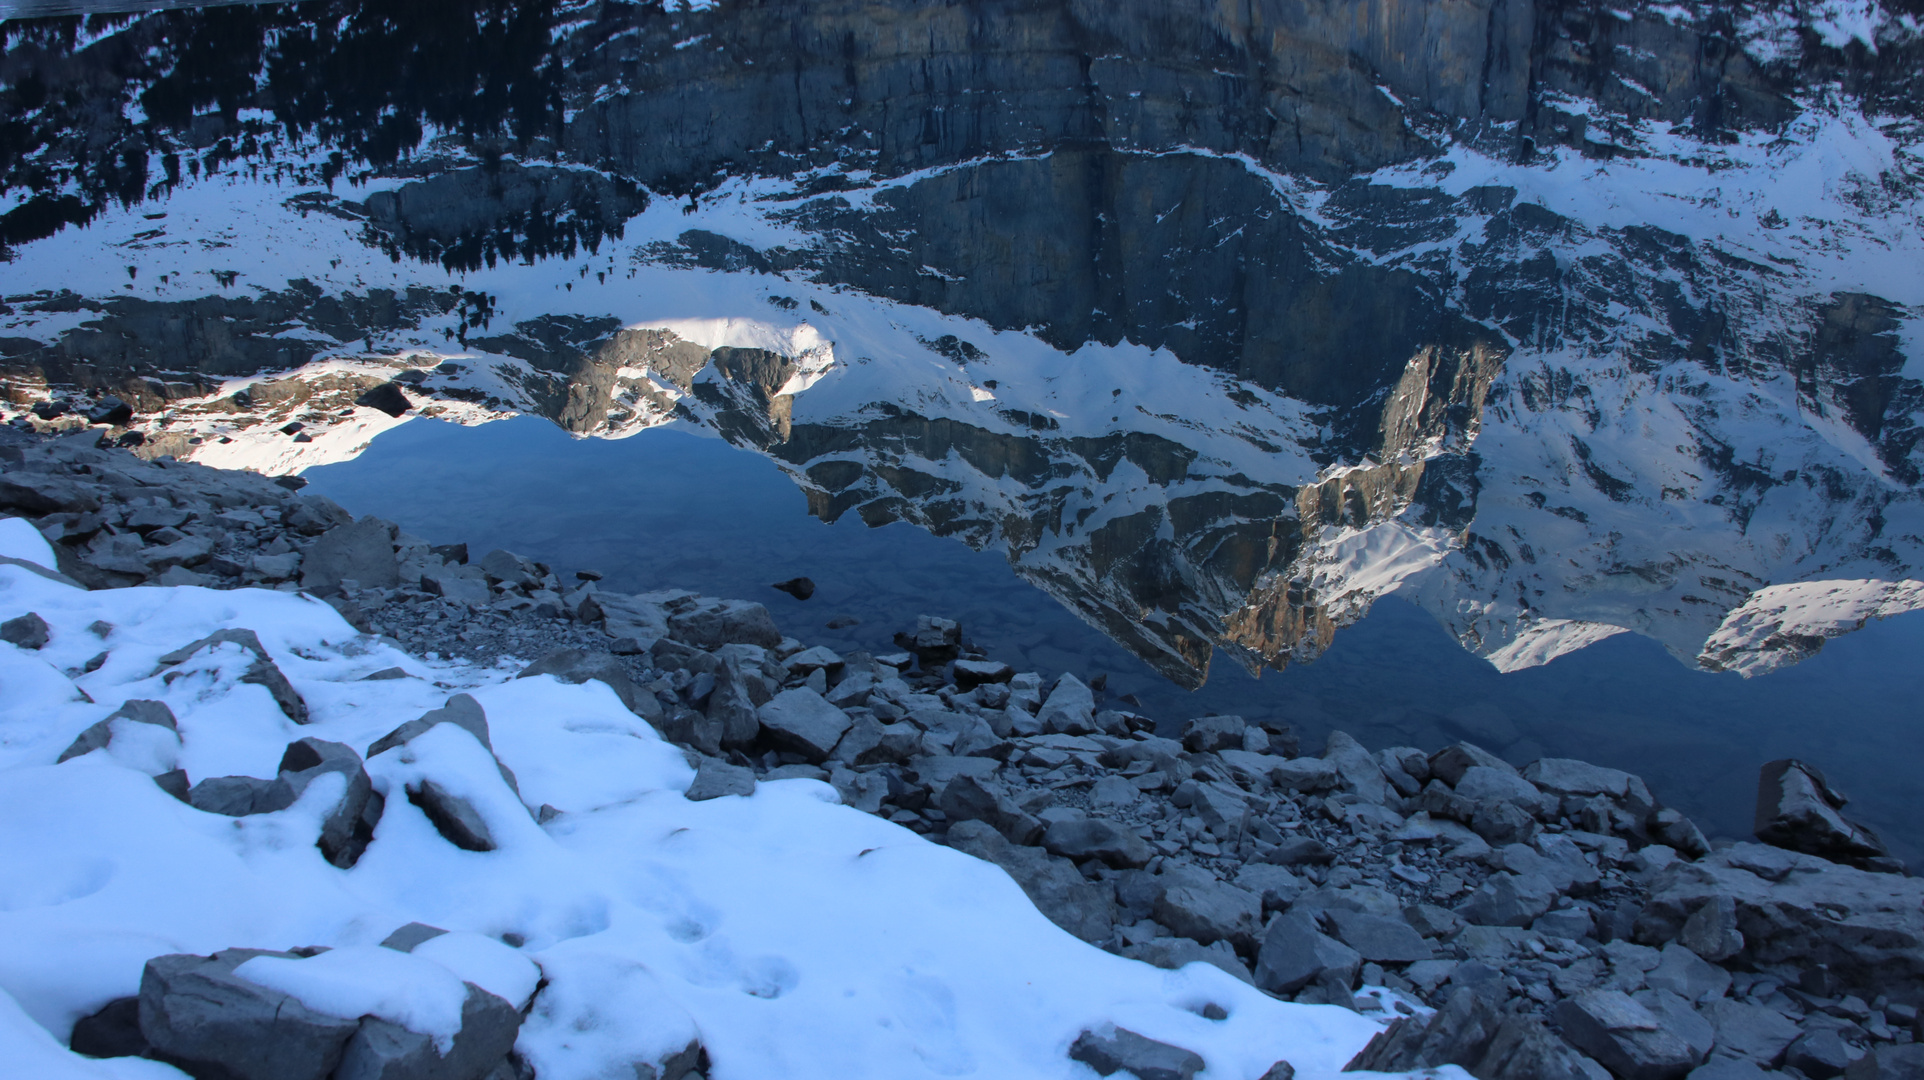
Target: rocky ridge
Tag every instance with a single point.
(1558, 918)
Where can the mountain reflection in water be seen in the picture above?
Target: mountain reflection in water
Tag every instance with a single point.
(668, 508)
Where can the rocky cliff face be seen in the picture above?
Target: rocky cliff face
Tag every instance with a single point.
(1222, 320)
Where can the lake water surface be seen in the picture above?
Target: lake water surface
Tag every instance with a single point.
(671, 507)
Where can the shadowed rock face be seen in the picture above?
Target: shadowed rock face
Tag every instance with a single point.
(1267, 190)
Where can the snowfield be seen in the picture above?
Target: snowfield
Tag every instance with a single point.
(793, 936)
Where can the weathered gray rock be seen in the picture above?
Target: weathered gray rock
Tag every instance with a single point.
(1483, 785)
(28, 631)
(1053, 884)
(111, 1031)
(714, 779)
(714, 623)
(1711, 932)
(1472, 1032)
(1678, 1017)
(1687, 975)
(1356, 768)
(197, 1014)
(1208, 733)
(1865, 928)
(973, 673)
(1750, 1031)
(1146, 1059)
(461, 710)
(133, 711)
(1295, 954)
(1889, 1063)
(381, 1050)
(262, 672)
(1728, 1068)
(361, 552)
(240, 796)
(1070, 708)
(1508, 899)
(967, 798)
(349, 824)
(1275, 885)
(576, 666)
(1171, 953)
(1565, 776)
(1450, 763)
(801, 721)
(1798, 809)
(1626, 1037)
(33, 494)
(1821, 1054)
(1307, 775)
(1209, 911)
(1095, 838)
(406, 937)
(454, 817)
(1379, 938)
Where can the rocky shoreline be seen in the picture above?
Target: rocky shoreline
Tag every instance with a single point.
(1557, 918)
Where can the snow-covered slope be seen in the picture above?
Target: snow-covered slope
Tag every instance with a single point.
(789, 935)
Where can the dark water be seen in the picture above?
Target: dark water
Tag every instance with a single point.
(672, 508)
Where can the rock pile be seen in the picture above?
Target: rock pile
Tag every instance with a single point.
(1558, 918)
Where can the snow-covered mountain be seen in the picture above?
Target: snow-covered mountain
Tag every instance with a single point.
(1561, 319)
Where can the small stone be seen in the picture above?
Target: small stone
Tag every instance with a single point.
(1380, 939)
(715, 778)
(1144, 1058)
(453, 817)
(800, 588)
(29, 631)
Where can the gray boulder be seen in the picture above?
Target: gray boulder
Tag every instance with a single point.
(1450, 763)
(1356, 768)
(454, 817)
(714, 779)
(713, 623)
(1627, 1038)
(1209, 910)
(1070, 708)
(1801, 911)
(1095, 838)
(1145, 1058)
(110, 1032)
(1207, 733)
(1711, 932)
(576, 666)
(1472, 1032)
(198, 1015)
(1508, 899)
(461, 710)
(967, 798)
(1307, 775)
(1296, 954)
(349, 824)
(382, 1050)
(1904, 1062)
(135, 710)
(29, 631)
(970, 674)
(262, 672)
(406, 937)
(1171, 953)
(362, 552)
(1379, 938)
(1053, 884)
(1798, 809)
(1750, 1031)
(240, 796)
(1687, 975)
(801, 721)
(1482, 786)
